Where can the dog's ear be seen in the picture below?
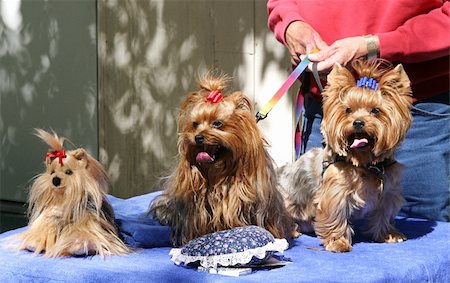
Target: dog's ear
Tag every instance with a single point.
(81, 155)
(186, 107)
(191, 99)
(396, 79)
(339, 78)
(395, 87)
(241, 101)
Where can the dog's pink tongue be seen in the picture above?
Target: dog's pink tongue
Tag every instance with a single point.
(203, 157)
(359, 143)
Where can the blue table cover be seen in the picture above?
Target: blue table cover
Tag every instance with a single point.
(424, 257)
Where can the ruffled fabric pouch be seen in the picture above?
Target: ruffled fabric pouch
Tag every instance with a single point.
(237, 247)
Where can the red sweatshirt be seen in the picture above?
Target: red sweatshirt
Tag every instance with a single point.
(415, 33)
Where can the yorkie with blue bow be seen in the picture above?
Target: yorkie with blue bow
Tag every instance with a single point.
(365, 118)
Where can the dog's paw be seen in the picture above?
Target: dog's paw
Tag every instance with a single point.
(30, 247)
(81, 247)
(295, 234)
(340, 245)
(295, 231)
(394, 237)
(36, 245)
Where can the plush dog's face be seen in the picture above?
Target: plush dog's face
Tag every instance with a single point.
(215, 134)
(72, 181)
(364, 124)
(60, 174)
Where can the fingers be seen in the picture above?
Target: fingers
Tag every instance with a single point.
(319, 43)
(323, 54)
(328, 57)
(309, 47)
(295, 57)
(324, 60)
(295, 50)
(301, 38)
(327, 64)
(341, 51)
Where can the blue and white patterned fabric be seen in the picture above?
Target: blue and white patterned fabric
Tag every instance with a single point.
(241, 246)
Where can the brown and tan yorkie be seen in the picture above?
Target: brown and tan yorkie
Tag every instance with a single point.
(225, 177)
(355, 176)
(68, 210)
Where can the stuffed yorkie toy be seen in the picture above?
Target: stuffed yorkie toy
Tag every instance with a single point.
(225, 177)
(68, 210)
(365, 118)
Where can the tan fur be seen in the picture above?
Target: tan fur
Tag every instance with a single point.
(328, 188)
(238, 188)
(72, 217)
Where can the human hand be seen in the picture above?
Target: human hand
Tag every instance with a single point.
(301, 38)
(341, 51)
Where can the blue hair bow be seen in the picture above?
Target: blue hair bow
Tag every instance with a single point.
(367, 82)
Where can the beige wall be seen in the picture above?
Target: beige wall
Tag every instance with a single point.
(150, 53)
(48, 79)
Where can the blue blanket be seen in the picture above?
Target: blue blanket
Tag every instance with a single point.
(424, 257)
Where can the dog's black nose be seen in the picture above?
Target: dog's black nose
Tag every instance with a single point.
(56, 181)
(358, 124)
(199, 139)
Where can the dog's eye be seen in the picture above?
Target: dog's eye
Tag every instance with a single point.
(375, 111)
(69, 172)
(217, 124)
(348, 110)
(195, 125)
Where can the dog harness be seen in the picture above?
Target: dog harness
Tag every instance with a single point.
(378, 168)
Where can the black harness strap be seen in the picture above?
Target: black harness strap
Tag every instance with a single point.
(378, 169)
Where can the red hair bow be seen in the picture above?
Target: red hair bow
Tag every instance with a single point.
(60, 154)
(214, 96)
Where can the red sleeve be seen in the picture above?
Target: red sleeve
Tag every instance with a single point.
(280, 14)
(421, 38)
